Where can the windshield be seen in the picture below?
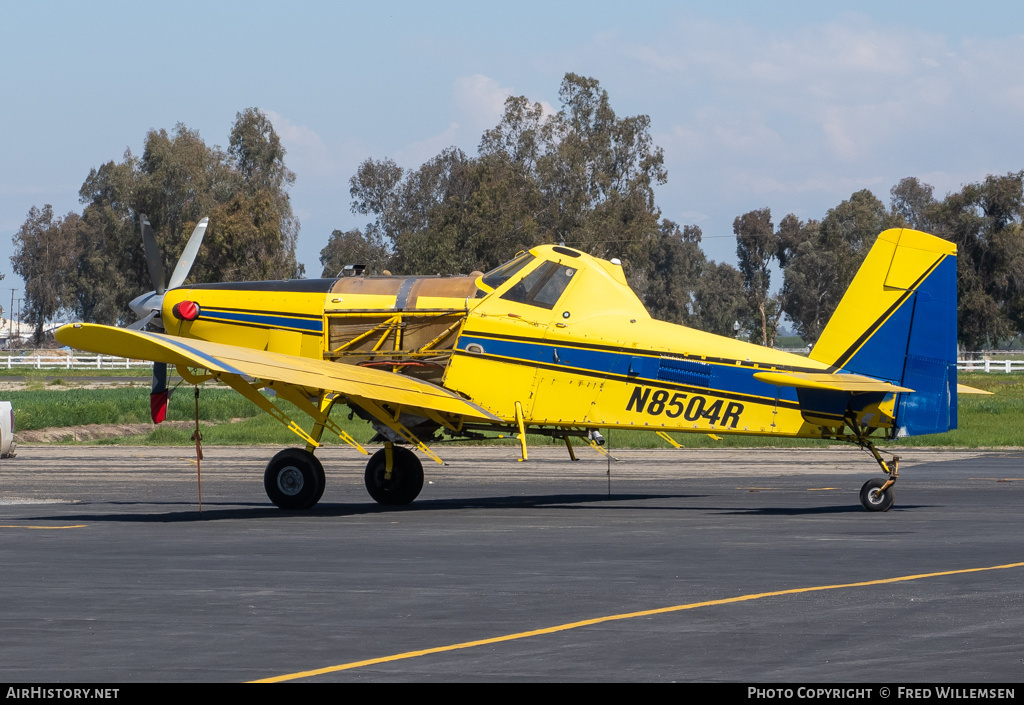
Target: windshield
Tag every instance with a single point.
(497, 277)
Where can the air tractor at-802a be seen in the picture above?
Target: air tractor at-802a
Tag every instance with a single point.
(553, 342)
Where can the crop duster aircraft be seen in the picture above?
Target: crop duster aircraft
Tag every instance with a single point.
(553, 342)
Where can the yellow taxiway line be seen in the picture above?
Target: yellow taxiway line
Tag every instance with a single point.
(29, 526)
(619, 617)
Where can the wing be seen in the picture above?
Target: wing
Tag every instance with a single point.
(348, 380)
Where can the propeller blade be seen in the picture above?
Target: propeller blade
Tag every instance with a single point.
(141, 323)
(188, 256)
(145, 304)
(156, 267)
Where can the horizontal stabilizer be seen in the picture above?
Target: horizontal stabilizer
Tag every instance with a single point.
(964, 389)
(348, 380)
(831, 382)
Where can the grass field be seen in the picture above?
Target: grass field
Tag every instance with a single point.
(984, 421)
(58, 408)
(32, 374)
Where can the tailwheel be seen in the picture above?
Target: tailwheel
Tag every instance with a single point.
(404, 481)
(874, 497)
(294, 479)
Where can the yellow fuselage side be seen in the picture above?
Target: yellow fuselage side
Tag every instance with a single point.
(593, 357)
(279, 321)
(597, 359)
(350, 319)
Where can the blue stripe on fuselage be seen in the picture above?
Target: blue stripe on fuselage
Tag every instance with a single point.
(263, 319)
(724, 378)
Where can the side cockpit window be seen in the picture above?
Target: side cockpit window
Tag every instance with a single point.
(542, 287)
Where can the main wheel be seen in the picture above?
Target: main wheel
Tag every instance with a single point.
(321, 479)
(294, 479)
(874, 500)
(406, 476)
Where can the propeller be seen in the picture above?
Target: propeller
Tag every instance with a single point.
(153, 259)
(148, 306)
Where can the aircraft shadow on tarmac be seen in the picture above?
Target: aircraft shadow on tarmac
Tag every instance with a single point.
(800, 511)
(213, 511)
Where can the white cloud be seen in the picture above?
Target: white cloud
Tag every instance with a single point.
(683, 140)
(416, 153)
(657, 60)
(307, 154)
(479, 99)
(747, 137)
(292, 135)
(765, 108)
(480, 102)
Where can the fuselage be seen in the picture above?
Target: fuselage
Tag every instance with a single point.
(556, 332)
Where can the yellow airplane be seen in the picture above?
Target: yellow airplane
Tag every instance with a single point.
(553, 342)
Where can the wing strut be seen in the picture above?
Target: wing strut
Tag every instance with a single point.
(321, 416)
(601, 449)
(668, 439)
(320, 413)
(250, 392)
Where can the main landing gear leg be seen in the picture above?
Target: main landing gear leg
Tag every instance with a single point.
(876, 494)
(394, 475)
(318, 432)
(568, 446)
(294, 478)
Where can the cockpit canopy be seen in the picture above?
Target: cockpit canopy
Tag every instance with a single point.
(552, 275)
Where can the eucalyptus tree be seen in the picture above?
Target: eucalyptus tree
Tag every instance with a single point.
(176, 181)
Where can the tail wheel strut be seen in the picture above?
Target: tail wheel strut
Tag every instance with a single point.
(876, 495)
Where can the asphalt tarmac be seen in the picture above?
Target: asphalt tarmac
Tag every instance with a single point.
(711, 565)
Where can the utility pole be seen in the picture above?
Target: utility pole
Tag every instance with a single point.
(19, 320)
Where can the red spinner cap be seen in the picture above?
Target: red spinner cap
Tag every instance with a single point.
(186, 310)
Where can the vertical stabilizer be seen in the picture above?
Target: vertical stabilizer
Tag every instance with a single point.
(897, 322)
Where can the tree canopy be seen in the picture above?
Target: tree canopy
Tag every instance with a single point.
(46, 256)
(824, 257)
(582, 176)
(178, 180)
(984, 220)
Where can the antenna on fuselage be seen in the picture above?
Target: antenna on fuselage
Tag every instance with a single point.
(352, 270)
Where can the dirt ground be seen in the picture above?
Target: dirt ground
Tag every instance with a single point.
(96, 431)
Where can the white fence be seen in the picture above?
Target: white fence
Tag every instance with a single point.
(990, 365)
(109, 362)
(67, 362)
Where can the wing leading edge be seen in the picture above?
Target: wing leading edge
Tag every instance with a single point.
(348, 380)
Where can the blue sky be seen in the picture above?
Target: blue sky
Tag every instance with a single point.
(793, 106)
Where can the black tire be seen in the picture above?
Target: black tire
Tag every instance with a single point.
(872, 499)
(321, 479)
(294, 479)
(406, 477)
